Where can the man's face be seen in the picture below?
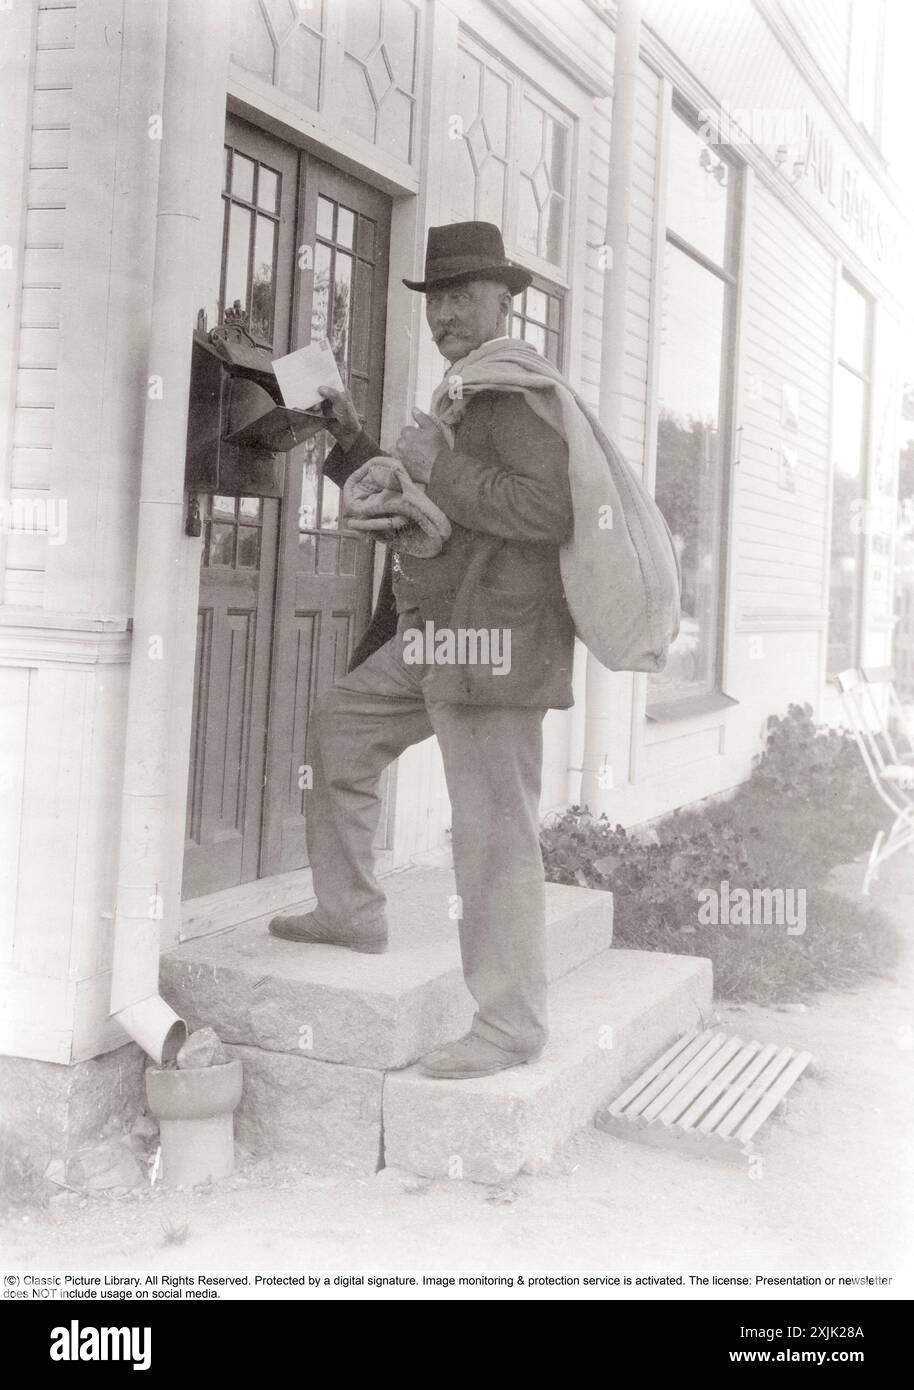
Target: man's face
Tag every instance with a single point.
(463, 317)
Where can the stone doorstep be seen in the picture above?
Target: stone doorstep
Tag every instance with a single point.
(609, 1019)
(335, 1118)
(328, 1116)
(328, 1004)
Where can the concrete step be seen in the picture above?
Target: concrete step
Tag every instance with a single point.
(327, 1004)
(608, 1019)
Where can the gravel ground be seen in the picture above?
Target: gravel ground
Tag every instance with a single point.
(833, 1192)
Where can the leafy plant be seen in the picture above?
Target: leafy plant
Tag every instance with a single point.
(807, 806)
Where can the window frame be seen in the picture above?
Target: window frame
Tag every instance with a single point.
(520, 87)
(659, 708)
(864, 375)
(230, 199)
(558, 292)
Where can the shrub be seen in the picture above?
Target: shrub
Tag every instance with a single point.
(807, 806)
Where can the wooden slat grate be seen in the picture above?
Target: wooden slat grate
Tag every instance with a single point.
(707, 1094)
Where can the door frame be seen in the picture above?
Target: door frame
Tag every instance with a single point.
(210, 911)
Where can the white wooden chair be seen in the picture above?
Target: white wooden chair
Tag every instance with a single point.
(891, 776)
(894, 724)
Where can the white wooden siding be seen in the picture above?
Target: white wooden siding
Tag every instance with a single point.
(39, 329)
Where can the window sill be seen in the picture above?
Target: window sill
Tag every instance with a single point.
(670, 710)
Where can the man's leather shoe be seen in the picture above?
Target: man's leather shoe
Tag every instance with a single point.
(472, 1056)
(304, 928)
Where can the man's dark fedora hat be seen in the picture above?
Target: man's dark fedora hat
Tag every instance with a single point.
(463, 251)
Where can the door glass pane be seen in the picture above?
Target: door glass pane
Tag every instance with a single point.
(262, 289)
(330, 505)
(325, 218)
(242, 178)
(236, 262)
(250, 507)
(221, 544)
(341, 301)
(321, 293)
(248, 547)
(268, 190)
(689, 474)
(366, 238)
(345, 227)
(223, 506)
(696, 199)
(312, 453)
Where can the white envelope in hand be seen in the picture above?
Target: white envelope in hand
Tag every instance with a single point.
(301, 373)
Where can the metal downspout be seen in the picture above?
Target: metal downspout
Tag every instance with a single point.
(600, 684)
(193, 103)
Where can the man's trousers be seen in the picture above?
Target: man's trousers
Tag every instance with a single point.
(493, 765)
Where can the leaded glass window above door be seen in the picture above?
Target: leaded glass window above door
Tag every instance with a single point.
(508, 159)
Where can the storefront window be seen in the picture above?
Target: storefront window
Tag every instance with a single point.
(699, 275)
(849, 489)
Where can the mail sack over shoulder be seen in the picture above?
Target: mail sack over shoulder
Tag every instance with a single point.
(620, 570)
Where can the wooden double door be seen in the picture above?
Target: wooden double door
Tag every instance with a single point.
(285, 590)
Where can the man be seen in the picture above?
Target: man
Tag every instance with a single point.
(504, 487)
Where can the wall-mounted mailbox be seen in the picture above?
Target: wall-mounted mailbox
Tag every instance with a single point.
(238, 430)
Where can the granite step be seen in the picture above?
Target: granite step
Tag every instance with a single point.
(608, 1019)
(328, 1004)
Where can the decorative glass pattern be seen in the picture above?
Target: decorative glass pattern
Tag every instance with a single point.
(507, 157)
(478, 144)
(379, 73)
(281, 41)
(543, 147)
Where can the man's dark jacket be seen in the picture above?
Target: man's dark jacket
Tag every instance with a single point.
(504, 487)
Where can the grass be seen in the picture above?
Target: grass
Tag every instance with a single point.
(173, 1234)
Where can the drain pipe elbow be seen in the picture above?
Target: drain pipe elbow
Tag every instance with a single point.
(155, 1026)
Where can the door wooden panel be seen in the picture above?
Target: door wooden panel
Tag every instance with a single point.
(272, 636)
(228, 738)
(324, 589)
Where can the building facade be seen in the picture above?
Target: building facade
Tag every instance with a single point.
(275, 164)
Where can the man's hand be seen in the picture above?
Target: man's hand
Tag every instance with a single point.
(342, 419)
(419, 445)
